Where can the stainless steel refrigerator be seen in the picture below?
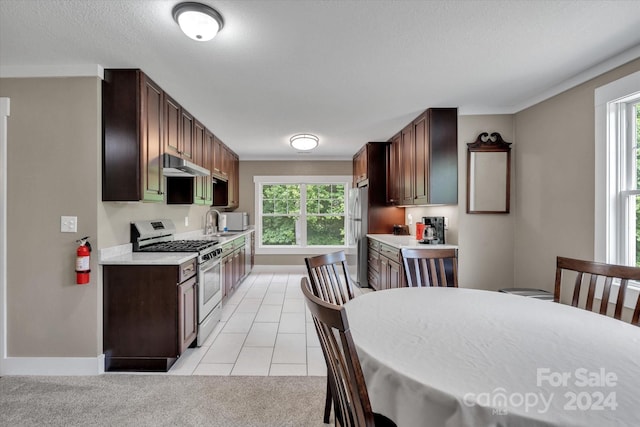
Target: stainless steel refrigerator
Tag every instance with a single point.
(358, 227)
(369, 214)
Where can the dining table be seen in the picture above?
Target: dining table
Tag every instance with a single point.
(458, 357)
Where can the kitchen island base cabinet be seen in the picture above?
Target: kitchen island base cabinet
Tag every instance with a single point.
(150, 316)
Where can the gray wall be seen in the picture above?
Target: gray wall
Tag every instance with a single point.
(555, 177)
(53, 168)
(485, 242)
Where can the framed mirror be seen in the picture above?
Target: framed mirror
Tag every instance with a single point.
(488, 175)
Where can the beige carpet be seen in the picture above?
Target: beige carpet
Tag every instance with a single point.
(161, 400)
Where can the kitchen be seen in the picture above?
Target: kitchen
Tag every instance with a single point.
(55, 327)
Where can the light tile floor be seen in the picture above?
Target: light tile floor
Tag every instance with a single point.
(266, 329)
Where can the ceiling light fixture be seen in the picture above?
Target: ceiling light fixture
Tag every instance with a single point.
(198, 21)
(304, 141)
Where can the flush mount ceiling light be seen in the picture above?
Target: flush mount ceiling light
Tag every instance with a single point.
(304, 141)
(198, 21)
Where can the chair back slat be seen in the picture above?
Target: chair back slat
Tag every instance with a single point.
(576, 290)
(606, 291)
(350, 393)
(329, 277)
(622, 291)
(591, 272)
(430, 267)
(592, 292)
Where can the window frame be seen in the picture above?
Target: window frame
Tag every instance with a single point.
(259, 181)
(613, 178)
(613, 175)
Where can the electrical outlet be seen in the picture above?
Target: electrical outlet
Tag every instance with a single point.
(186, 221)
(446, 223)
(68, 224)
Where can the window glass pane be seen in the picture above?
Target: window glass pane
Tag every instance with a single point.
(325, 230)
(279, 230)
(280, 199)
(268, 206)
(325, 199)
(285, 221)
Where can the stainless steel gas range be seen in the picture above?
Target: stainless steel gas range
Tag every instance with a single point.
(159, 236)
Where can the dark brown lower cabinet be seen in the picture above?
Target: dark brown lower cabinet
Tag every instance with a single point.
(149, 315)
(233, 264)
(385, 266)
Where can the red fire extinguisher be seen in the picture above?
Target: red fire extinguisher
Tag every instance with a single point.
(83, 261)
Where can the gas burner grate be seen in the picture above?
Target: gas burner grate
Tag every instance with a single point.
(180, 246)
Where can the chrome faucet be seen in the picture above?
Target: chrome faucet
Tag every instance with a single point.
(209, 228)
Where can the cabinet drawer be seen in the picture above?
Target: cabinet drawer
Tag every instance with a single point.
(374, 245)
(239, 242)
(188, 269)
(374, 260)
(390, 252)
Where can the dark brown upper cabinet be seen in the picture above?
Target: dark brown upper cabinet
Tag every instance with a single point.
(132, 126)
(360, 166)
(424, 163)
(204, 157)
(395, 179)
(187, 140)
(172, 126)
(141, 123)
(226, 191)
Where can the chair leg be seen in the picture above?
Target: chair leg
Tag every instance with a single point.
(327, 404)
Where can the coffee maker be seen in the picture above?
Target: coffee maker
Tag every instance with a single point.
(433, 233)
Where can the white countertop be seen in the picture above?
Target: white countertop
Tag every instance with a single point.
(406, 242)
(149, 258)
(123, 255)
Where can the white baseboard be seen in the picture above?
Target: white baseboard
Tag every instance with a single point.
(53, 365)
(295, 269)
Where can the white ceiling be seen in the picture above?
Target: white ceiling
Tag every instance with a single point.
(348, 71)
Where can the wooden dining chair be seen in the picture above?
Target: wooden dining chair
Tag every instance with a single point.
(593, 273)
(330, 281)
(430, 267)
(351, 398)
(330, 278)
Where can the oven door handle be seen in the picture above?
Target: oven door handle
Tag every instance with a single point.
(209, 264)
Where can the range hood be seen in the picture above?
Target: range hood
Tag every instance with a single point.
(175, 166)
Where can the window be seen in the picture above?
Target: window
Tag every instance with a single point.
(300, 212)
(618, 171)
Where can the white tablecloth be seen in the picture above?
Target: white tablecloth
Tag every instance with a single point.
(463, 357)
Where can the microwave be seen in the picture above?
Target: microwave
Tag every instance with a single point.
(237, 221)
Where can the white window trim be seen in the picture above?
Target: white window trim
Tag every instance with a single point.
(606, 190)
(295, 179)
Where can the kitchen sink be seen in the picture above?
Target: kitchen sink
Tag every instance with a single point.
(225, 234)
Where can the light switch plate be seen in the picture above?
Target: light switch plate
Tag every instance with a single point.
(68, 224)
